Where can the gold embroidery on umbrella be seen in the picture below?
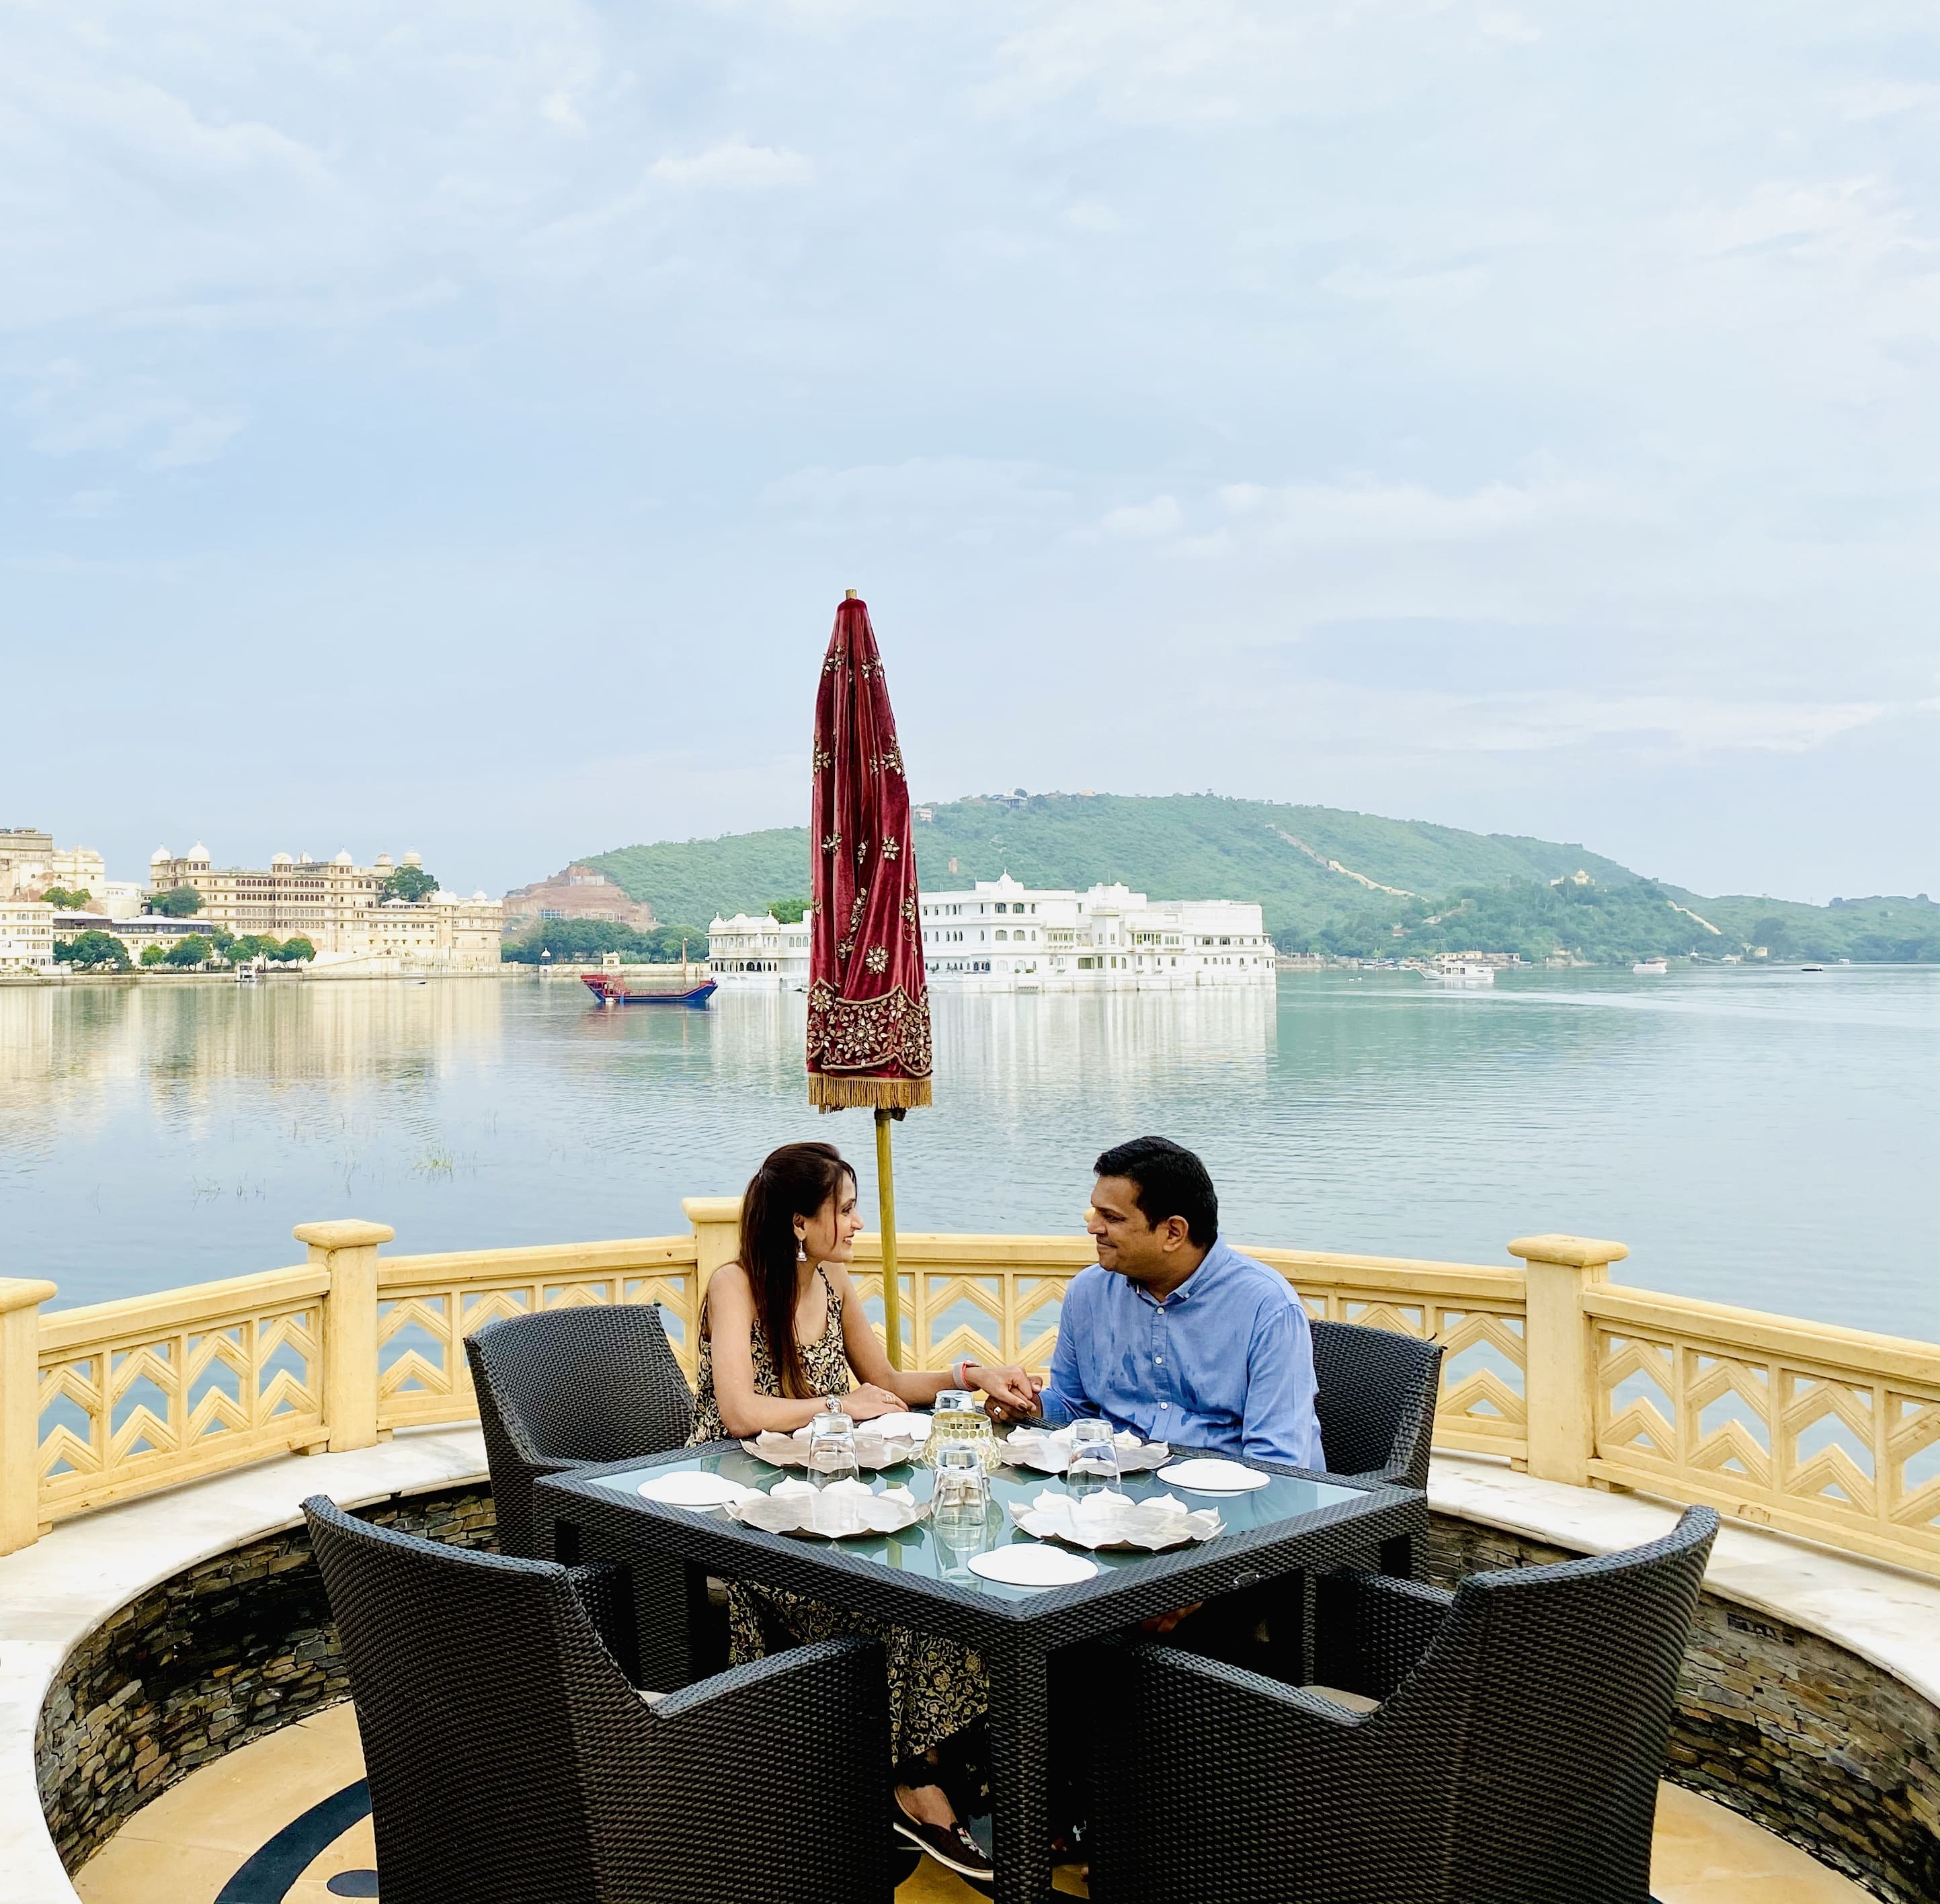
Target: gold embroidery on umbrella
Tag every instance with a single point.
(876, 959)
(892, 846)
(863, 1034)
(829, 844)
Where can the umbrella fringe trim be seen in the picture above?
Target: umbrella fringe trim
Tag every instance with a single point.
(828, 1093)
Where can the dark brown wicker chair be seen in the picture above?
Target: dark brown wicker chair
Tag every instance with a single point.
(1376, 1403)
(1376, 1392)
(567, 1388)
(510, 1763)
(1514, 1759)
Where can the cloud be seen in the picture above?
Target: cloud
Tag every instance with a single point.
(1144, 521)
(733, 166)
(90, 505)
(1435, 289)
(961, 498)
(72, 414)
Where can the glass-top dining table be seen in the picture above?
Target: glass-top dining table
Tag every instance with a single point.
(1273, 1536)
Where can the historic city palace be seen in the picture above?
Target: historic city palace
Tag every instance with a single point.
(339, 907)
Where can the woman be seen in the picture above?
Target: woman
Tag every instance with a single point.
(782, 1335)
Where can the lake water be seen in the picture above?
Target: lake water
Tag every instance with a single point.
(1769, 1138)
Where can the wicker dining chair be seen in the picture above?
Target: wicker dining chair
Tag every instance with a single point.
(510, 1762)
(565, 1388)
(1513, 1759)
(1376, 1394)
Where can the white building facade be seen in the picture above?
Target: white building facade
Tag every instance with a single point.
(1002, 935)
(26, 936)
(746, 954)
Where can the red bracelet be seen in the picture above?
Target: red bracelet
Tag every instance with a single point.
(961, 1373)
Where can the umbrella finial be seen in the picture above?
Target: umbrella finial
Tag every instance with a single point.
(849, 595)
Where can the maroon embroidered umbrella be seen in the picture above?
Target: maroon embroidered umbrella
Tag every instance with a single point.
(868, 1001)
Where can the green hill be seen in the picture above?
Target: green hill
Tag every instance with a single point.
(1323, 876)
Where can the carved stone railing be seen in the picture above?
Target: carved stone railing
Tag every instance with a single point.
(1829, 1433)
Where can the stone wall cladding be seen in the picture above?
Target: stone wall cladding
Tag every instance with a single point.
(1806, 1739)
(204, 1662)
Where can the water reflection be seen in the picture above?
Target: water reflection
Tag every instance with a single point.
(1747, 1133)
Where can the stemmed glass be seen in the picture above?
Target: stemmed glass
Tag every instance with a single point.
(832, 1450)
(1093, 1468)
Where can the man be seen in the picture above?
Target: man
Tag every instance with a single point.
(1174, 1334)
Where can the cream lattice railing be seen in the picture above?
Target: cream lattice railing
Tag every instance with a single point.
(428, 1304)
(138, 1395)
(1829, 1432)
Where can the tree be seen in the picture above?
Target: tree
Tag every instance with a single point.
(585, 941)
(253, 945)
(295, 952)
(412, 883)
(223, 942)
(67, 899)
(787, 911)
(178, 902)
(153, 954)
(90, 952)
(192, 951)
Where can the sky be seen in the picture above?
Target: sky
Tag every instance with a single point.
(448, 428)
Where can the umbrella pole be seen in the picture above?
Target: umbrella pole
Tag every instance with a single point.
(886, 1193)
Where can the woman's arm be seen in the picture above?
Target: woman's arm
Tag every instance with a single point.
(917, 1388)
(731, 1323)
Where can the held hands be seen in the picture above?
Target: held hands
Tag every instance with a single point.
(1010, 1394)
(865, 1403)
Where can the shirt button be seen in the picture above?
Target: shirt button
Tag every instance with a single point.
(1165, 1404)
(1160, 1359)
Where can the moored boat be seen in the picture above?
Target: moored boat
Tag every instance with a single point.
(611, 989)
(1656, 966)
(1459, 971)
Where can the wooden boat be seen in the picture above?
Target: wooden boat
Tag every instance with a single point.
(610, 989)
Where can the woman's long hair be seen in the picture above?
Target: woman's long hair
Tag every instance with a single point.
(794, 1181)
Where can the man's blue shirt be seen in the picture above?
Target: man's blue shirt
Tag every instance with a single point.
(1225, 1362)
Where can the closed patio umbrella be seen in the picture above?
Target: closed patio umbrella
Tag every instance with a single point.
(868, 1002)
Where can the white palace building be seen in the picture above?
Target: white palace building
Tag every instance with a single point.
(1001, 935)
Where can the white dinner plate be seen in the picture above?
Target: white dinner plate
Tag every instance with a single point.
(1210, 1477)
(1019, 1565)
(689, 1487)
(898, 1427)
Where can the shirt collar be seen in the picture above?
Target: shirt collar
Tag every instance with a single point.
(1214, 1259)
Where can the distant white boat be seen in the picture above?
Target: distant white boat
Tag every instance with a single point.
(1656, 967)
(1458, 971)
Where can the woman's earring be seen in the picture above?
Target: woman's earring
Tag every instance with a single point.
(800, 1248)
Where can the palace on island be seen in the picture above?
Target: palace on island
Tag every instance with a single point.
(999, 935)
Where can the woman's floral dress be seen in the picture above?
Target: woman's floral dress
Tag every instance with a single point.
(936, 1686)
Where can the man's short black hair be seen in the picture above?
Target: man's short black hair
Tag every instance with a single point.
(1170, 1182)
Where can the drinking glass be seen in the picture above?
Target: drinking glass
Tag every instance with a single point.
(832, 1450)
(1093, 1467)
(959, 1507)
(957, 1421)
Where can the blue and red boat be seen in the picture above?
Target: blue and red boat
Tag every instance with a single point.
(611, 989)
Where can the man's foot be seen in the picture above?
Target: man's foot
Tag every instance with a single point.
(950, 1845)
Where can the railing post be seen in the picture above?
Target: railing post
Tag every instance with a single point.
(1559, 1389)
(717, 1238)
(346, 1251)
(20, 1300)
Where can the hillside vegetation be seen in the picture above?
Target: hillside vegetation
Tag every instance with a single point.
(1328, 880)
